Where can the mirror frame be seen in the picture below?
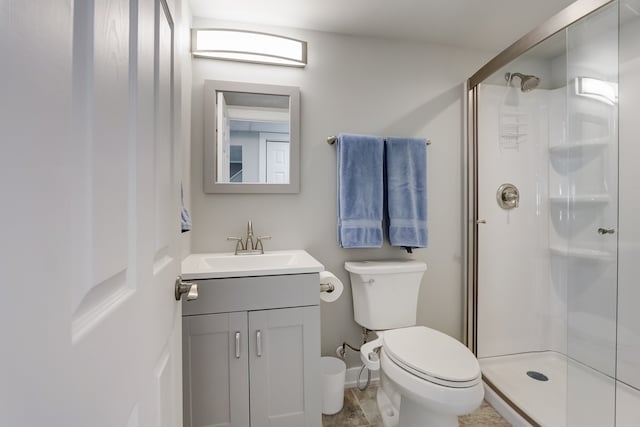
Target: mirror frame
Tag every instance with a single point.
(211, 87)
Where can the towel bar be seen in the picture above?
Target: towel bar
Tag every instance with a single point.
(332, 140)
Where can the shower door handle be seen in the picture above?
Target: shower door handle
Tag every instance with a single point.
(481, 221)
(604, 231)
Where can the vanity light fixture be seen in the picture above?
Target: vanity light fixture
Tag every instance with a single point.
(248, 46)
(597, 89)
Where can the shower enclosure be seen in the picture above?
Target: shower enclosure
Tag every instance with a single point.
(553, 232)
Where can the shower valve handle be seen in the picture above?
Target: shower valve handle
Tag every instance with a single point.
(508, 196)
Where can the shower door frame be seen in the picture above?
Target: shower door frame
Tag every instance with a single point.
(552, 26)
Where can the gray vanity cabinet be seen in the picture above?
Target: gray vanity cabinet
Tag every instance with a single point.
(259, 367)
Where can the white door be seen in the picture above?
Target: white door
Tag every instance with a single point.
(88, 248)
(277, 162)
(224, 139)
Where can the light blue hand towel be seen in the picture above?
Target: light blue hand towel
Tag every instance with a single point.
(406, 162)
(360, 191)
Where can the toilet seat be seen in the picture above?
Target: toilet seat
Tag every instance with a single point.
(432, 356)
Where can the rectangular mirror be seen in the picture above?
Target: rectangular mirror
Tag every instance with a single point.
(252, 138)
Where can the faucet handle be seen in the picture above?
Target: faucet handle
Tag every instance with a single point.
(239, 245)
(259, 245)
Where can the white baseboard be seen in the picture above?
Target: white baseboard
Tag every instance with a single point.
(351, 379)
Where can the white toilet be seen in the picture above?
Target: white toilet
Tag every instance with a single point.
(428, 378)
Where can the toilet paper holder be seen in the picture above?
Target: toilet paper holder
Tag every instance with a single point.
(331, 287)
(327, 287)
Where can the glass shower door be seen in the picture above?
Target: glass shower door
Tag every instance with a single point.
(628, 342)
(588, 190)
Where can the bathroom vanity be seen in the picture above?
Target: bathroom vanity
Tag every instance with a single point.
(251, 341)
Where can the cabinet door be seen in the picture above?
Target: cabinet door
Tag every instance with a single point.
(284, 354)
(215, 370)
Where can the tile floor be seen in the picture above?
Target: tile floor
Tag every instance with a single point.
(360, 410)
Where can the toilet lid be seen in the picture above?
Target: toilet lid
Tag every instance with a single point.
(432, 355)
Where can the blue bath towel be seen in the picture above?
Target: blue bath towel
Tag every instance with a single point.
(406, 166)
(360, 191)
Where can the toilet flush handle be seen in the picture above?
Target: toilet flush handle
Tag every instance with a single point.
(369, 356)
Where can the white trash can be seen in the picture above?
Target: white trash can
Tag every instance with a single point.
(333, 376)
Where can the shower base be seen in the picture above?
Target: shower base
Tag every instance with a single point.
(592, 395)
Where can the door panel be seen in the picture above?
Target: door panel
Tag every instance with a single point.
(127, 320)
(216, 378)
(103, 202)
(284, 367)
(164, 135)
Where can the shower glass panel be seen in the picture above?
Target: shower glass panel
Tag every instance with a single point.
(588, 180)
(628, 354)
(547, 277)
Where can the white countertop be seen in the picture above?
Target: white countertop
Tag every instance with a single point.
(271, 263)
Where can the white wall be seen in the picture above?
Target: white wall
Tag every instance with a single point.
(250, 142)
(358, 85)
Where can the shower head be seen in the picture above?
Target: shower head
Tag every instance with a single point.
(527, 82)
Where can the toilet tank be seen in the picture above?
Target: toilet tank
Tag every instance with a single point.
(385, 293)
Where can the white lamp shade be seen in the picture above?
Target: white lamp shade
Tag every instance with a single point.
(248, 46)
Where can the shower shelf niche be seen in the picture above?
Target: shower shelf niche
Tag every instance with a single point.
(583, 253)
(585, 199)
(578, 146)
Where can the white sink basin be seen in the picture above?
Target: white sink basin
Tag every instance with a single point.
(271, 263)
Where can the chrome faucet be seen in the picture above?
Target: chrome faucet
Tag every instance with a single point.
(250, 237)
(249, 246)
